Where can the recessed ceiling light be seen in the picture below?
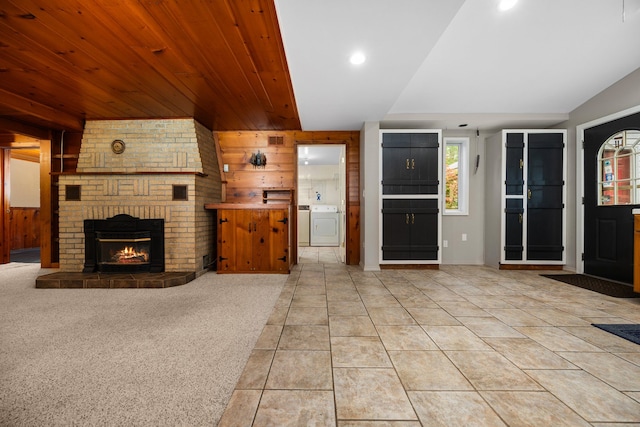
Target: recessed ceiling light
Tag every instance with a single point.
(357, 58)
(506, 4)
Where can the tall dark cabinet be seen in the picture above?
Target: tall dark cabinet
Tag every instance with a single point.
(525, 185)
(410, 196)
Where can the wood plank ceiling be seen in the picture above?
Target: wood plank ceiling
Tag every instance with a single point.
(220, 61)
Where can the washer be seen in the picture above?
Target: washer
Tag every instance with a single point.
(324, 226)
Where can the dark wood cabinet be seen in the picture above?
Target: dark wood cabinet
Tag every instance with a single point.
(410, 229)
(410, 163)
(525, 186)
(253, 240)
(410, 196)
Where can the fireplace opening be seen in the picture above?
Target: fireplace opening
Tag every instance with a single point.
(124, 244)
(119, 248)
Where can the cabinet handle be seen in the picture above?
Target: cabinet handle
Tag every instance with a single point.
(529, 193)
(407, 163)
(413, 163)
(249, 227)
(254, 226)
(521, 164)
(520, 218)
(406, 221)
(413, 218)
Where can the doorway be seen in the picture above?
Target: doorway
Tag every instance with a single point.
(609, 197)
(321, 195)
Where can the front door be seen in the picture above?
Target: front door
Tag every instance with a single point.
(608, 227)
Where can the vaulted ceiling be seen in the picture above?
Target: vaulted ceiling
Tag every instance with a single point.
(64, 61)
(283, 64)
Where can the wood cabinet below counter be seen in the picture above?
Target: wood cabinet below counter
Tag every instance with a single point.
(252, 238)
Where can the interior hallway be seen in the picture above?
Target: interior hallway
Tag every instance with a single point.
(463, 345)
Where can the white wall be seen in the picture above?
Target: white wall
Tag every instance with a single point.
(319, 179)
(453, 226)
(25, 184)
(370, 203)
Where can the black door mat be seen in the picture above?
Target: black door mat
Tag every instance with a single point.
(628, 332)
(606, 287)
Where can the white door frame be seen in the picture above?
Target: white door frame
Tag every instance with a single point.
(580, 178)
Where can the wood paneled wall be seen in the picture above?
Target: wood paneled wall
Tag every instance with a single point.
(25, 227)
(244, 183)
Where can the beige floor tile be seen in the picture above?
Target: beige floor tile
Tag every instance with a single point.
(453, 408)
(295, 408)
(613, 370)
(556, 339)
(303, 291)
(489, 327)
(390, 316)
(556, 317)
(532, 409)
(489, 370)
(370, 394)
(256, 370)
(591, 398)
(307, 316)
(304, 337)
(484, 301)
(349, 308)
(421, 300)
(442, 295)
(241, 409)
(602, 339)
(300, 370)
(630, 357)
(278, 316)
(351, 326)
(455, 338)
(463, 308)
(428, 370)
(302, 301)
(432, 316)
(269, 337)
(405, 338)
(359, 352)
(516, 317)
(343, 295)
(528, 354)
(383, 301)
(379, 424)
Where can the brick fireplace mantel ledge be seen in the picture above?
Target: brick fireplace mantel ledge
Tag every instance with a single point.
(72, 280)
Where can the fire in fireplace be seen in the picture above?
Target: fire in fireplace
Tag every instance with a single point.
(124, 244)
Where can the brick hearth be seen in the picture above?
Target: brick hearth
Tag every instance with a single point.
(70, 280)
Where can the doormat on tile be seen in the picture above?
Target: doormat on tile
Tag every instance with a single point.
(606, 287)
(628, 332)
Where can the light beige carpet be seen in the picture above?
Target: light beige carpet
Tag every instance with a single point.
(126, 356)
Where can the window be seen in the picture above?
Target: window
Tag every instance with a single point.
(456, 200)
(619, 169)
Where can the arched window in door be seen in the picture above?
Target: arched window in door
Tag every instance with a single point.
(619, 169)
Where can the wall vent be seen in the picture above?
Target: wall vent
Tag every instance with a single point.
(276, 140)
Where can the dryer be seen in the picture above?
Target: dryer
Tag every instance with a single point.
(324, 226)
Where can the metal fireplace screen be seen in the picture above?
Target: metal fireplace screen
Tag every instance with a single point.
(124, 244)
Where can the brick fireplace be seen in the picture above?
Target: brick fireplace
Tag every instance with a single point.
(155, 170)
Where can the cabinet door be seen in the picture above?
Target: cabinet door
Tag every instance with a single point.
(513, 245)
(279, 240)
(424, 232)
(410, 163)
(424, 163)
(514, 163)
(244, 226)
(545, 196)
(396, 163)
(409, 229)
(226, 240)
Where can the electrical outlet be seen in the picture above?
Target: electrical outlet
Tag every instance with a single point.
(464, 237)
(445, 243)
(225, 167)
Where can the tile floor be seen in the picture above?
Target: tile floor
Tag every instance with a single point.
(459, 346)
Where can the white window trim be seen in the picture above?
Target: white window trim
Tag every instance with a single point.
(463, 175)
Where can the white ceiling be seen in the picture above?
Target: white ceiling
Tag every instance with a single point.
(441, 63)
